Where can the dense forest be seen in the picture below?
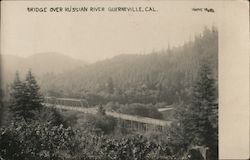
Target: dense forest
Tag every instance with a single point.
(184, 78)
(163, 76)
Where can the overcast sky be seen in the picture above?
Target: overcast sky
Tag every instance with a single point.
(96, 36)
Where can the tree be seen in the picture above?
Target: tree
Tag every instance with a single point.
(178, 137)
(110, 86)
(17, 101)
(196, 122)
(32, 91)
(53, 117)
(25, 97)
(199, 122)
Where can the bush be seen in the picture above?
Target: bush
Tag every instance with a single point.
(101, 123)
(46, 142)
(37, 141)
(134, 147)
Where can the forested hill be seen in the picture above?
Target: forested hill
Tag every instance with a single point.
(166, 75)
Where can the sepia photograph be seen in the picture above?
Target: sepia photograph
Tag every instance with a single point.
(88, 80)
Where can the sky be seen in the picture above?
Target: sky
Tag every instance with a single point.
(94, 36)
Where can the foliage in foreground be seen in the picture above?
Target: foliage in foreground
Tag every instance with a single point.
(37, 141)
(44, 141)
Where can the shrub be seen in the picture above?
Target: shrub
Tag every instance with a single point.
(37, 141)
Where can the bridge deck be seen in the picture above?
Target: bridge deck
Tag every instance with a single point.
(138, 119)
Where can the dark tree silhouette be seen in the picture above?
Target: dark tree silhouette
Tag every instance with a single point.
(25, 97)
(197, 123)
(17, 101)
(200, 122)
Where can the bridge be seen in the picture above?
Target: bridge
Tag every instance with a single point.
(78, 106)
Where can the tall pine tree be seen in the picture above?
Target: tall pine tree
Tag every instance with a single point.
(197, 122)
(32, 92)
(17, 100)
(25, 97)
(201, 118)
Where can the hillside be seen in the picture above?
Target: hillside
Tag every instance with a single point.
(163, 76)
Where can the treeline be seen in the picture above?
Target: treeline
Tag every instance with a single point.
(162, 76)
